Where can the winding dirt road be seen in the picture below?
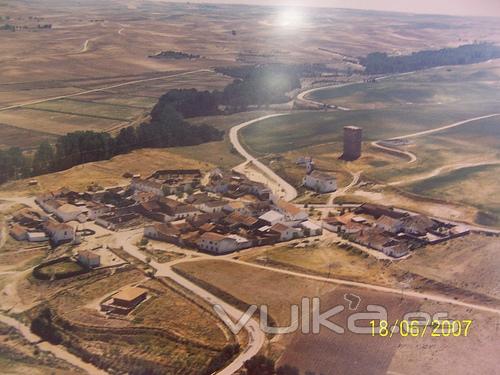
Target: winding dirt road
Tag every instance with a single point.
(256, 337)
(57, 350)
(412, 157)
(286, 191)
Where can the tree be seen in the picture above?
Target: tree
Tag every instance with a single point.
(259, 365)
(43, 326)
(287, 370)
(43, 158)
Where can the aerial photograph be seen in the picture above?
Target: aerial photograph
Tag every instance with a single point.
(250, 187)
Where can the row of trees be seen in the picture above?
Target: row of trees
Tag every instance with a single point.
(166, 128)
(253, 85)
(382, 63)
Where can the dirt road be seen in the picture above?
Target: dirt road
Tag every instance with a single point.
(342, 191)
(114, 86)
(57, 350)
(256, 337)
(442, 170)
(286, 191)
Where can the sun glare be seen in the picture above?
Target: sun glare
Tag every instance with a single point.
(290, 18)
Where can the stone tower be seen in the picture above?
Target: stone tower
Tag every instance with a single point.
(352, 143)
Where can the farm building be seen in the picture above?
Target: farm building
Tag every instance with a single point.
(125, 300)
(89, 258)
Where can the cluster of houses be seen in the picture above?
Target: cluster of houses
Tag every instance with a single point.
(393, 232)
(232, 213)
(34, 226)
(227, 213)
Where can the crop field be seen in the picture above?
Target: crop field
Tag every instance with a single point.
(330, 352)
(436, 354)
(251, 285)
(462, 186)
(55, 123)
(449, 163)
(23, 138)
(99, 111)
(88, 39)
(298, 130)
(219, 153)
(349, 353)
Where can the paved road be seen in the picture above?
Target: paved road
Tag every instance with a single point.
(114, 86)
(288, 191)
(57, 350)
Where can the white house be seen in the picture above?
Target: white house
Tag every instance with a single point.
(89, 258)
(285, 232)
(68, 212)
(311, 229)
(320, 182)
(220, 244)
(290, 211)
(37, 237)
(213, 206)
(272, 217)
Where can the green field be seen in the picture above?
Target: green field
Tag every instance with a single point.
(91, 109)
(400, 106)
(474, 186)
(462, 84)
(305, 129)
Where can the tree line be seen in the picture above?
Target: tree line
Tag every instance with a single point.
(166, 128)
(382, 63)
(252, 86)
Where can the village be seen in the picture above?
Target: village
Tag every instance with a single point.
(220, 213)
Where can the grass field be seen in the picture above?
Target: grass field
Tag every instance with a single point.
(470, 263)
(326, 259)
(61, 267)
(463, 84)
(394, 107)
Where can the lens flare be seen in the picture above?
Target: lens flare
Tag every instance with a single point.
(289, 18)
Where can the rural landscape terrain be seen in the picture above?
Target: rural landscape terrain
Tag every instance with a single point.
(328, 177)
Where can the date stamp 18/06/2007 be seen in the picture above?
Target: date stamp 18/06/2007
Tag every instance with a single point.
(415, 328)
